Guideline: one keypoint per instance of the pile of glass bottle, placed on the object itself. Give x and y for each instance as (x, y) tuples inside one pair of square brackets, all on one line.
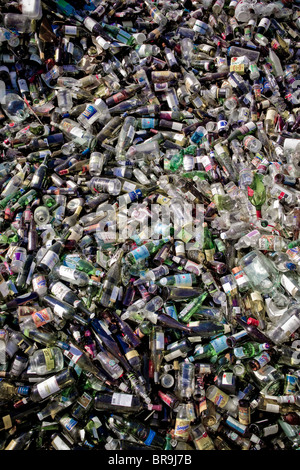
[(113, 115)]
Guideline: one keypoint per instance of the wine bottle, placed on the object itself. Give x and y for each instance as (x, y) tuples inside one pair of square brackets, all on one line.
[(64, 293), (52, 385)]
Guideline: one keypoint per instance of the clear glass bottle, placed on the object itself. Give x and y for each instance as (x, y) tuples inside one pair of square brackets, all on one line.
[(46, 361)]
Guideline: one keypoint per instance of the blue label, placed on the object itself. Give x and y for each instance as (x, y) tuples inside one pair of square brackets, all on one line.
[(23, 390), (150, 438), (89, 112), (235, 425), (219, 344), (71, 424), (148, 123), (140, 253)]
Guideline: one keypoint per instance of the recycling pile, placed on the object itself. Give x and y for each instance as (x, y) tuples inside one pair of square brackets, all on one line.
[(149, 225)]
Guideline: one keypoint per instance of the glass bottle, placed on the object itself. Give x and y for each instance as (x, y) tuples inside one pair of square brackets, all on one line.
[(46, 361), (52, 385), (182, 423)]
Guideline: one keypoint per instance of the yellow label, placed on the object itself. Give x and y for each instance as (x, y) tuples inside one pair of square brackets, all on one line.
[(49, 359), (11, 445), (239, 68), (7, 422), (204, 442), (131, 354), (209, 254), (182, 429)]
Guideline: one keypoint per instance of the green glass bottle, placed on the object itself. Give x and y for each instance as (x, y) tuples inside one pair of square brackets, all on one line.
[(211, 350), (143, 329), (87, 267), (191, 308), (209, 248), (257, 193), (168, 445), (118, 33)]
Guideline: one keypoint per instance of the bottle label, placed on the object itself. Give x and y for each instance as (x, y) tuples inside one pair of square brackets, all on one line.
[(227, 378), (147, 123), (70, 30), (77, 132), (150, 438), (59, 290), (89, 112), (272, 408), (130, 133), (193, 268), (165, 398), (48, 387), (204, 442), (183, 280), (266, 242), (219, 344), (84, 400), (291, 325), (67, 272), (121, 399), (140, 253), (289, 285), (68, 423), (256, 296), (73, 354), (132, 354), (89, 23), (182, 428), (206, 162), (50, 259), (291, 384), (244, 415), (269, 430), (59, 310), (220, 399), (19, 256), (239, 353), (233, 423), (263, 359), (49, 359), (209, 254), (160, 340), (128, 187), (240, 278), (41, 318), (227, 287)]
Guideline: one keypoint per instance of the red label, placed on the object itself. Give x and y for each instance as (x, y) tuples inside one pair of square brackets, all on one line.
[(250, 191)]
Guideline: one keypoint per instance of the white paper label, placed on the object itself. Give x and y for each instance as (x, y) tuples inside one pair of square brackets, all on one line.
[(67, 272), (70, 30), (121, 399), (59, 290), (50, 259), (59, 311), (48, 387), (291, 325), (272, 408)]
